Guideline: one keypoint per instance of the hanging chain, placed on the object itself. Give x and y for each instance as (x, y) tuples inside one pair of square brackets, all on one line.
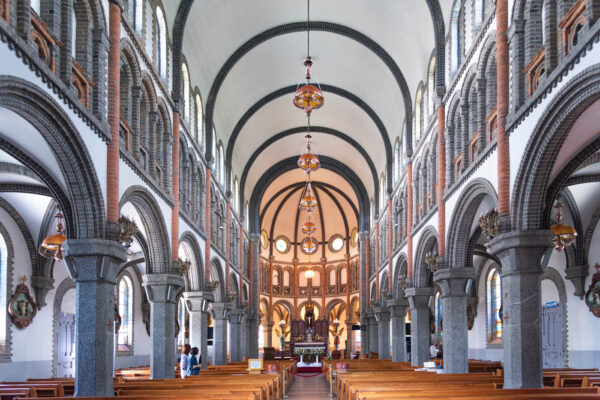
[(308, 28)]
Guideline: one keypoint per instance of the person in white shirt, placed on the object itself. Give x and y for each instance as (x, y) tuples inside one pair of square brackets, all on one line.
[(433, 351), (185, 359)]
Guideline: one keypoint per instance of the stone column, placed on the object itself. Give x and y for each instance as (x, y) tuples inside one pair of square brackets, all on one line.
[(197, 306), (267, 333), (398, 313), (244, 336), (161, 290), (373, 334), (95, 311), (418, 299), (220, 313), (453, 283), (382, 315), (252, 334), (520, 254), (235, 337), (363, 239), (350, 338)]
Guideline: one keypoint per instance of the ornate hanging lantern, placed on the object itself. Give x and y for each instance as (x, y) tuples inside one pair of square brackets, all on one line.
[(309, 245), (308, 97), (309, 228), (52, 245), (308, 202), (308, 161), (564, 235)]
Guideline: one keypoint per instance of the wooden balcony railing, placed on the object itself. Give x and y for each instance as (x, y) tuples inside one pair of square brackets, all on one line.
[(492, 123), (45, 41), (82, 83)]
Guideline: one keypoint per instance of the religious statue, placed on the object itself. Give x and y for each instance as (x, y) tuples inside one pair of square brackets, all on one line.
[(309, 314)]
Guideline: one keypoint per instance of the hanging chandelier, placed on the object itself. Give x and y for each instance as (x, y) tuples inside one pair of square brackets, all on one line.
[(309, 245), (308, 97), (564, 235), (52, 245), (308, 201), (309, 227), (308, 161)]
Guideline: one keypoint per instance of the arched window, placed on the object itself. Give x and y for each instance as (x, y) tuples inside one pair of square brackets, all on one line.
[(137, 15), (455, 47), (186, 92), (397, 161), (479, 10), (418, 116), (35, 6), (3, 296), (431, 95), (438, 318), (236, 195), (73, 35), (246, 216), (181, 317), (199, 121), (494, 307), (381, 192), (125, 305), (161, 43), (214, 148), (221, 165)]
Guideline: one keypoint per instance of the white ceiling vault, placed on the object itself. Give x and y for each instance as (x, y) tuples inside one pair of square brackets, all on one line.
[(215, 30)]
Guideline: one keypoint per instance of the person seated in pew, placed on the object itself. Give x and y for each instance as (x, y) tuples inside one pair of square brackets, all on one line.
[(185, 359), (433, 351), (193, 366)]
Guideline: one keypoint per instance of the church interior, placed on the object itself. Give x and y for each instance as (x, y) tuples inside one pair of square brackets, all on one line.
[(303, 199)]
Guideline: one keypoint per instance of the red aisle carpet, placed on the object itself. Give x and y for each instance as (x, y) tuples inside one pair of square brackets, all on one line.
[(309, 370)]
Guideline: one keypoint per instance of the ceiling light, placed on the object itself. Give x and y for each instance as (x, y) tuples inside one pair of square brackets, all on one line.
[(308, 201), (564, 235), (52, 245)]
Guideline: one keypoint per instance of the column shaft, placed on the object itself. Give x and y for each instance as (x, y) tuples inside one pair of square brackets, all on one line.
[(383, 329), (398, 313), (419, 313)]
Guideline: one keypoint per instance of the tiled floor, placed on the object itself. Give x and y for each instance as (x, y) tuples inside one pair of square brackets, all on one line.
[(314, 388)]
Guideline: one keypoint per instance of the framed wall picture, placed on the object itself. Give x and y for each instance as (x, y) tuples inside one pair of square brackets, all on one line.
[(592, 296), (21, 306)]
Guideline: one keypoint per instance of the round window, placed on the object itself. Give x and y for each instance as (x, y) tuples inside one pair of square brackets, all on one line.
[(354, 237), (264, 239), (282, 244), (336, 243)]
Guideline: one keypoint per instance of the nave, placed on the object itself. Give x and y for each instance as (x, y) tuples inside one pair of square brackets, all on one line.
[(277, 187)]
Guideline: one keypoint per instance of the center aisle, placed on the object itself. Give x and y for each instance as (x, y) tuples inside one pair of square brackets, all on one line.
[(313, 388)]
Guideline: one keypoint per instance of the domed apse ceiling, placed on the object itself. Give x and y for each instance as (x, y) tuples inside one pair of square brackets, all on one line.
[(246, 60), (335, 216)]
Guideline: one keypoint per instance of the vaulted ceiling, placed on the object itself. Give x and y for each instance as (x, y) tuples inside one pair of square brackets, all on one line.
[(369, 57)]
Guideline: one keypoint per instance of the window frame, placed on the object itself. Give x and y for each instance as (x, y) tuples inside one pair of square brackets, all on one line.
[(127, 349)]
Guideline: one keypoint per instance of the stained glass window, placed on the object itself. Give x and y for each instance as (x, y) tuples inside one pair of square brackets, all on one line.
[(494, 306), (126, 313)]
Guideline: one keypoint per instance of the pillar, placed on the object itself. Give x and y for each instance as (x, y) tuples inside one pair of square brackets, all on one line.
[(382, 315), (254, 293), (350, 338), (197, 307), (161, 290), (363, 239), (453, 283), (373, 334), (520, 254), (235, 338), (220, 313), (244, 336), (398, 309), (95, 307), (252, 334), (418, 299), (267, 332)]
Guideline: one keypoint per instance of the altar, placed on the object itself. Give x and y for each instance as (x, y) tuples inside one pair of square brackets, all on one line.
[(308, 339)]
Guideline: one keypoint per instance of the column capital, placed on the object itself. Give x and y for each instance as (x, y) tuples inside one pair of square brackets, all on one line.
[(418, 297), (117, 3), (220, 310), (162, 288), (236, 315), (363, 235), (520, 251), (453, 281), (381, 313), (397, 307), (94, 259), (255, 237), (197, 301)]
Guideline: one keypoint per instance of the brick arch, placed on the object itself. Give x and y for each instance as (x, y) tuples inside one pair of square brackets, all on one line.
[(83, 202), (427, 242), (158, 260), (532, 197), (459, 233), (216, 275)]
